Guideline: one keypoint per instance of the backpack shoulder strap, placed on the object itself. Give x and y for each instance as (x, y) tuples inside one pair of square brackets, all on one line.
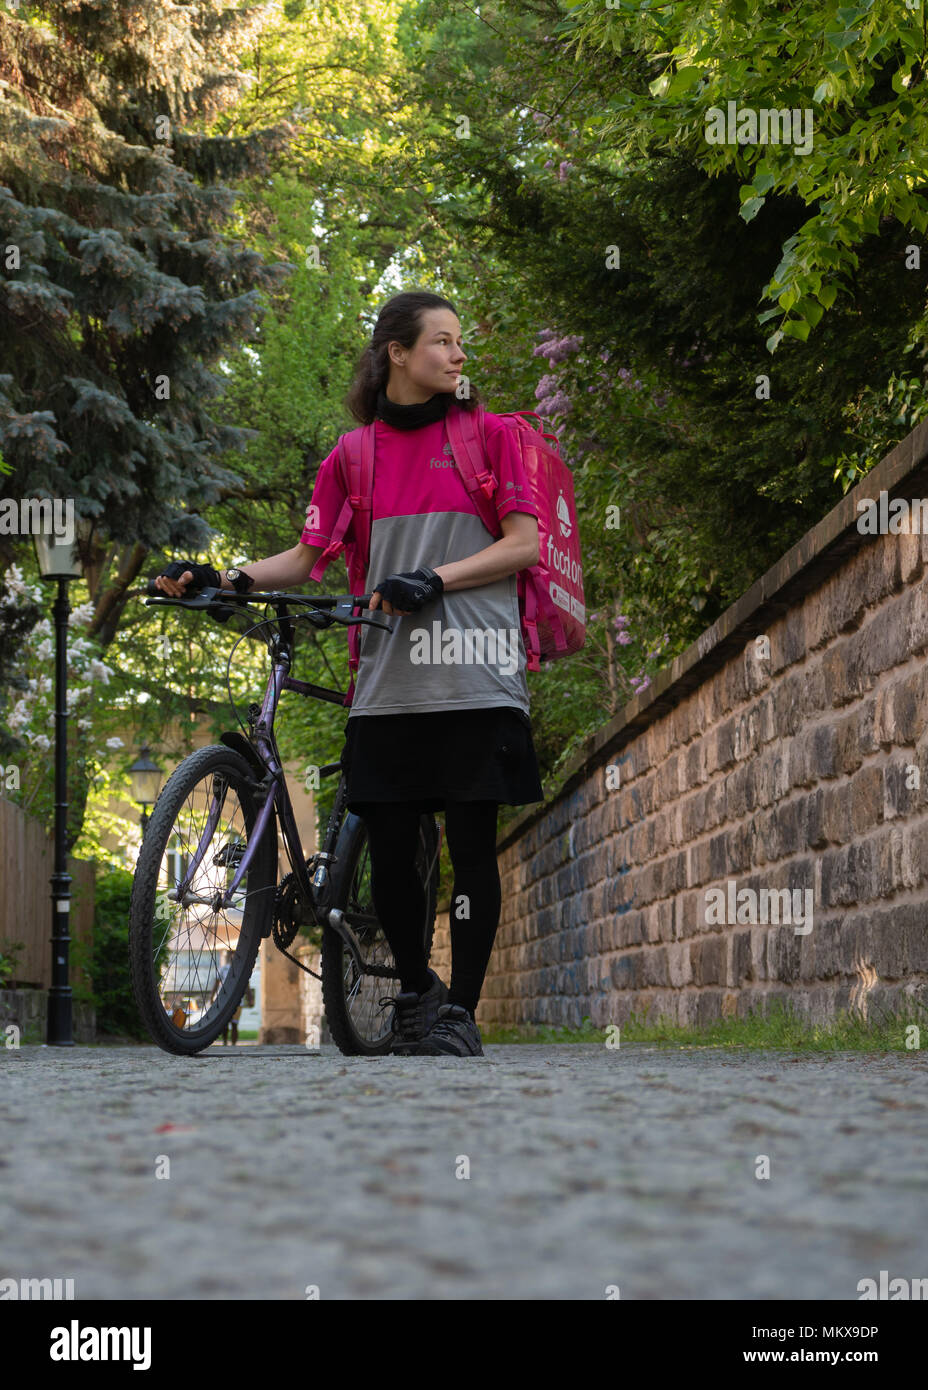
[(467, 437), (356, 457)]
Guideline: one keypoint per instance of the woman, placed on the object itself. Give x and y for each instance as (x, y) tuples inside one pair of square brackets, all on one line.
[(440, 713)]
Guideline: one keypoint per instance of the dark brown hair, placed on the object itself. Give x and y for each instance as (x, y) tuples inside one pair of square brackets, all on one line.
[(399, 321)]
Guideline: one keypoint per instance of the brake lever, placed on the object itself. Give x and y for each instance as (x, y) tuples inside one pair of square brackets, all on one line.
[(342, 612)]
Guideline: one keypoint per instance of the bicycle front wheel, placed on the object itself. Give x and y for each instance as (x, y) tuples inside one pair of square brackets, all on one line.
[(191, 957)]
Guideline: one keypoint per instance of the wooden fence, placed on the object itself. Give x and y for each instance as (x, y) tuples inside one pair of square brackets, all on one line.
[(27, 857)]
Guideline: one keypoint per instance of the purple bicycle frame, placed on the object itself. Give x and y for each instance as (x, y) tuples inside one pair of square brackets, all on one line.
[(278, 681)]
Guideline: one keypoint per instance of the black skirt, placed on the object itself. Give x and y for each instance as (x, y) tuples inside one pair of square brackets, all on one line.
[(455, 755)]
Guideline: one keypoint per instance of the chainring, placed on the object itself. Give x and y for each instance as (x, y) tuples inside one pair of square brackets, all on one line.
[(288, 911)]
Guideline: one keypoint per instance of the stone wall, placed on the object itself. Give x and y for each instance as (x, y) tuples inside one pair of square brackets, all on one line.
[(786, 749)]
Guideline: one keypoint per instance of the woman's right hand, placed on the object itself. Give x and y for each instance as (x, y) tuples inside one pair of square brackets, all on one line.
[(181, 574)]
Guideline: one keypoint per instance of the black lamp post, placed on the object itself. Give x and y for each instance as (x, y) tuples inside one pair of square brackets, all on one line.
[(59, 560), (146, 782)]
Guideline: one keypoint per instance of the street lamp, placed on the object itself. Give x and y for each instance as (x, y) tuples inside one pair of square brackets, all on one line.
[(146, 782), (60, 560)]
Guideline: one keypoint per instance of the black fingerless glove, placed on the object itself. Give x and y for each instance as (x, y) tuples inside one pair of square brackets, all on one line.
[(413, 590), (204, 576)]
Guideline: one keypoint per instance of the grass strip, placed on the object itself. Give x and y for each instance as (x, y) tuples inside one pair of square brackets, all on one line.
[(779, 1026)]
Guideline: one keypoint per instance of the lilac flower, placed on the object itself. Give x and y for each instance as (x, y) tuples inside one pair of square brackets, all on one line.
[(549, 164), (558, 404), (623, 638), (621, 620), (545, 335), (559, 351), (548, 386), (565, 166)]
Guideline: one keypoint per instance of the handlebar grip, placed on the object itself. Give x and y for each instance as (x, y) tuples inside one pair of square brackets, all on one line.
[(153, 591)]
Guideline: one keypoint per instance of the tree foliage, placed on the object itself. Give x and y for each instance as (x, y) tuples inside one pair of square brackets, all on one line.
[(119, 284)]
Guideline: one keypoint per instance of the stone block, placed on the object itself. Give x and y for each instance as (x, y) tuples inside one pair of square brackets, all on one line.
[(707, 958), (679, 967), (718, 856), (708, 1007), (812, 816), (866, 798), (885, 639), (849, 754), (627, 971), (788, 712), (741, 961), (655, 967), (697, 864), (823, 751), (837, 814)]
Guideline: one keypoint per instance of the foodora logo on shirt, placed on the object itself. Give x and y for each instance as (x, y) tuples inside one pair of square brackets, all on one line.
[(469, 646)]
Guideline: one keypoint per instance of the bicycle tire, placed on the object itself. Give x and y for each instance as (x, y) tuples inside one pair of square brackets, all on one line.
[(337, 961), (256, 917)]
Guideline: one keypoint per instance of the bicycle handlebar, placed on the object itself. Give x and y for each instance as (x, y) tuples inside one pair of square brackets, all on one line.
[(223, 603)]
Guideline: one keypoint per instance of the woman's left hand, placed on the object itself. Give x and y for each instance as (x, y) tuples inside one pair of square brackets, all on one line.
[(402, 594)]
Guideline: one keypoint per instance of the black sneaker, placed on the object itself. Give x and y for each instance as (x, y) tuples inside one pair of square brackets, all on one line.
[(414, 1014), (454, 1034)]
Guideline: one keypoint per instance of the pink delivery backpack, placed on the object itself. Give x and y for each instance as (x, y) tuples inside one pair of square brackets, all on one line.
[(551, 602)]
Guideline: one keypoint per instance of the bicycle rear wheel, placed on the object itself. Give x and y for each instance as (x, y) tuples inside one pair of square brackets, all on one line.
[(356, 1021), (190, 958)]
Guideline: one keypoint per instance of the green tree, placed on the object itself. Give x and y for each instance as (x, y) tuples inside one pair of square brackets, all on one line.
[(119, 283)]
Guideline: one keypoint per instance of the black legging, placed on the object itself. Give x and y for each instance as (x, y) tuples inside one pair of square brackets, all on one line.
[(399, 899)]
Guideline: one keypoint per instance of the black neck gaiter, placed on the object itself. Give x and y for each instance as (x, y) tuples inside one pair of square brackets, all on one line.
[(413, 417)]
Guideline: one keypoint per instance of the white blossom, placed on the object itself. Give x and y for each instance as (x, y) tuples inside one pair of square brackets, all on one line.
[(114, 743), (42, 742), (44, 650), (81, 614), (98, 670)]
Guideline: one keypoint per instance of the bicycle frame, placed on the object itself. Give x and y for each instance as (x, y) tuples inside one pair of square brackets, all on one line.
[(272, 790)]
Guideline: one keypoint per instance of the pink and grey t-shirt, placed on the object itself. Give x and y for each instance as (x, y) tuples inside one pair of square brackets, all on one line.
[(464, 650)]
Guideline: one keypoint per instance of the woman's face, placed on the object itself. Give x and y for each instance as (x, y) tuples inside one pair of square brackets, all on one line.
[(435, 360)]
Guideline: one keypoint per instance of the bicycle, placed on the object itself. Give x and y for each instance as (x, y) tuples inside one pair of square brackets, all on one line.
[(210, 850)]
